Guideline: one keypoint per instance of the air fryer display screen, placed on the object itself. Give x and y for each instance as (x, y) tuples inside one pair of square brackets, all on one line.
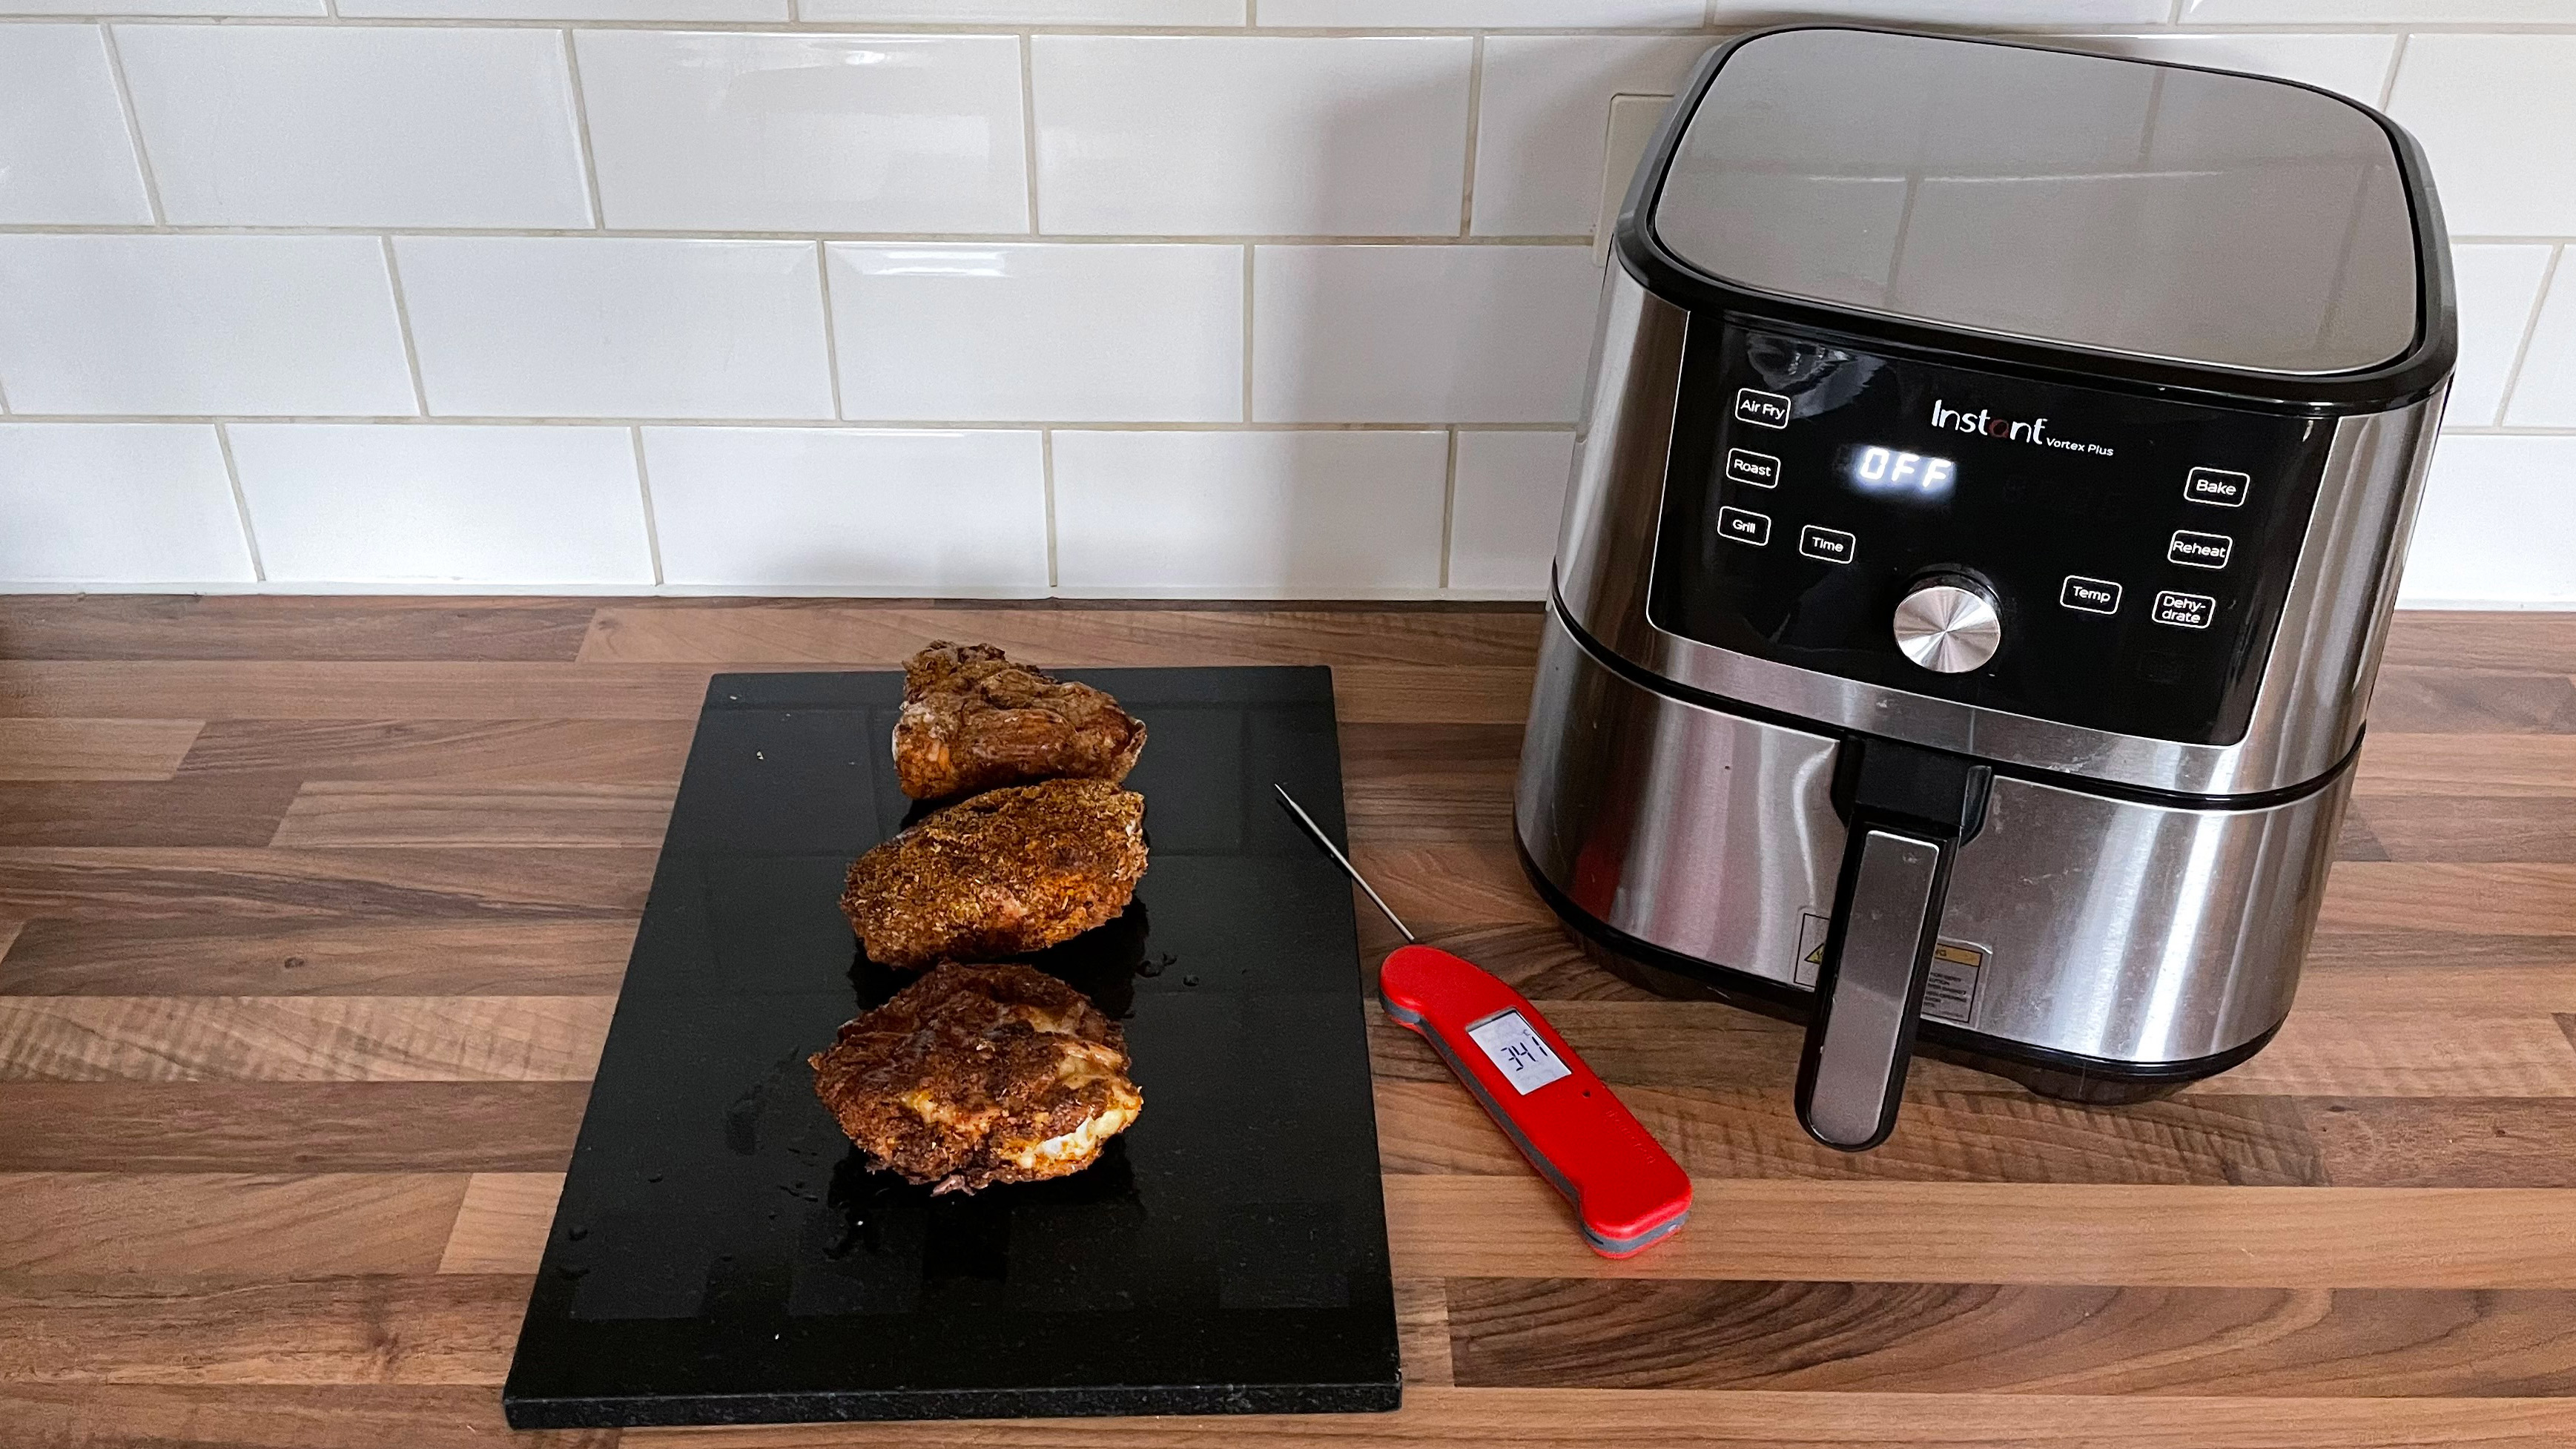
[(2137, 549)]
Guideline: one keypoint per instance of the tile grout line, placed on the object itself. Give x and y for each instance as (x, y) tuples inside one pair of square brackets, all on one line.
[(581, 134), (1247, 332), (133, 125), (1448, 506), (2530, 330), (2396, 63), (241, 503), (1475, 105), (896, 424), (1029, 126), (984, 238), (831, 331), (402, 323), (644, 490), (1046, 477), (1717, 28)]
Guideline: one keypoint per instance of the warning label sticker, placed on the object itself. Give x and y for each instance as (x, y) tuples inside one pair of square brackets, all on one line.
[(1949, 992)]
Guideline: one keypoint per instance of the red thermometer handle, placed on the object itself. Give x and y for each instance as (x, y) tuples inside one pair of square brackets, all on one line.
[(1627, 1191)]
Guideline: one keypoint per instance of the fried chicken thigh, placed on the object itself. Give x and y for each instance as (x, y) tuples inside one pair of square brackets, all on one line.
[(975, 1075), (1006, 873), (972, 720)]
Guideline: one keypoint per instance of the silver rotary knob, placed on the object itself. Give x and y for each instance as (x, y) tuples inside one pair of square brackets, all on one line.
[(1949, 625)]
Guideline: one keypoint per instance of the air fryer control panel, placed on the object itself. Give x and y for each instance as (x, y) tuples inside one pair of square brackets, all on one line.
[(2136, 551)]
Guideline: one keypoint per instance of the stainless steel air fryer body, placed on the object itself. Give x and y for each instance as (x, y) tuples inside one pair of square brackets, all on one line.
[(1987, 510)]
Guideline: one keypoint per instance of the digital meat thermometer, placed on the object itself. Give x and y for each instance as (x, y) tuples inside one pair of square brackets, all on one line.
[(1627, 1191)]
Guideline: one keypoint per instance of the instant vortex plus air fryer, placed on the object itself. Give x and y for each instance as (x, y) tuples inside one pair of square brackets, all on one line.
[(1994, 478)]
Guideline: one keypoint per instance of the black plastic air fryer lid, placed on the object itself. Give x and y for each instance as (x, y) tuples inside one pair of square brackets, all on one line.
[(2176, 226)]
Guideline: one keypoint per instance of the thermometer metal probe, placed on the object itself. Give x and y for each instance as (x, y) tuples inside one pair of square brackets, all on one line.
[(1628, 1193)]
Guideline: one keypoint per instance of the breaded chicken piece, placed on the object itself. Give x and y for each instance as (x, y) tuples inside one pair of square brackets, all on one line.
[(1005, 873), (975, 1075), (972, 720)]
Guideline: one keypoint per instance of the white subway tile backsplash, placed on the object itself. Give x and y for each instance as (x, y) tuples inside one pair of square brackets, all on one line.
[(117, 503), (2349, 65), (1543, 114), (925, 512), (1400, 334), (1039, 332), (194, 325), (622, 10), (164, 7), (806, 132), (272, 125), (1946, 14), (1261, 513), (441, 504), (1503, 516), (2499, 523), (64, 154), (2495, 113), (1033, 12), (618, 327), (2370, 12), (2499, 288), (2544, 396), (1216, 136), (1472, 14)]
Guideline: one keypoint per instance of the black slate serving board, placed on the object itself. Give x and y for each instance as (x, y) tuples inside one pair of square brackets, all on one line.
[(721, 1256)]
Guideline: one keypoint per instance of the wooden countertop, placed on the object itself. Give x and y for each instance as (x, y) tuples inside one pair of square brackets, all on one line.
[(314, 911)]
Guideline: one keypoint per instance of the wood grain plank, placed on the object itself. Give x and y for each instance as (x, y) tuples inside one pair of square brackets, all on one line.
[(1465, 694), (2443, 1142), (264, 1226), (2456, 765), (1986, 1232), (2012, 1338), (239, 811), (297, 689), (2493, 899), (1745, 1419), (501, 1226), (2357, 959), (396, 957), (1944, 1136), (2434, 699), (289, 1126), (141, 883), (268, 1416), (302, 1038), (2536, 642), (256, 626), (2462, 828), (94, 749), (819, 632), (490, 751), (454, 1328), (330, 814), (1422, 1331)]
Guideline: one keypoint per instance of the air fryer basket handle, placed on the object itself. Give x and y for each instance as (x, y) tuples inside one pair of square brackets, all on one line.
[(1869, 993)]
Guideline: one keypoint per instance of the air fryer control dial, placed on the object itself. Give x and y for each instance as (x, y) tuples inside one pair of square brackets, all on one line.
[(1949, 625)]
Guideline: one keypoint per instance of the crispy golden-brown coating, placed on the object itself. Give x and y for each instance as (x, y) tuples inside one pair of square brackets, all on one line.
[(972, 720), (975, 1075), (1004, 873)]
